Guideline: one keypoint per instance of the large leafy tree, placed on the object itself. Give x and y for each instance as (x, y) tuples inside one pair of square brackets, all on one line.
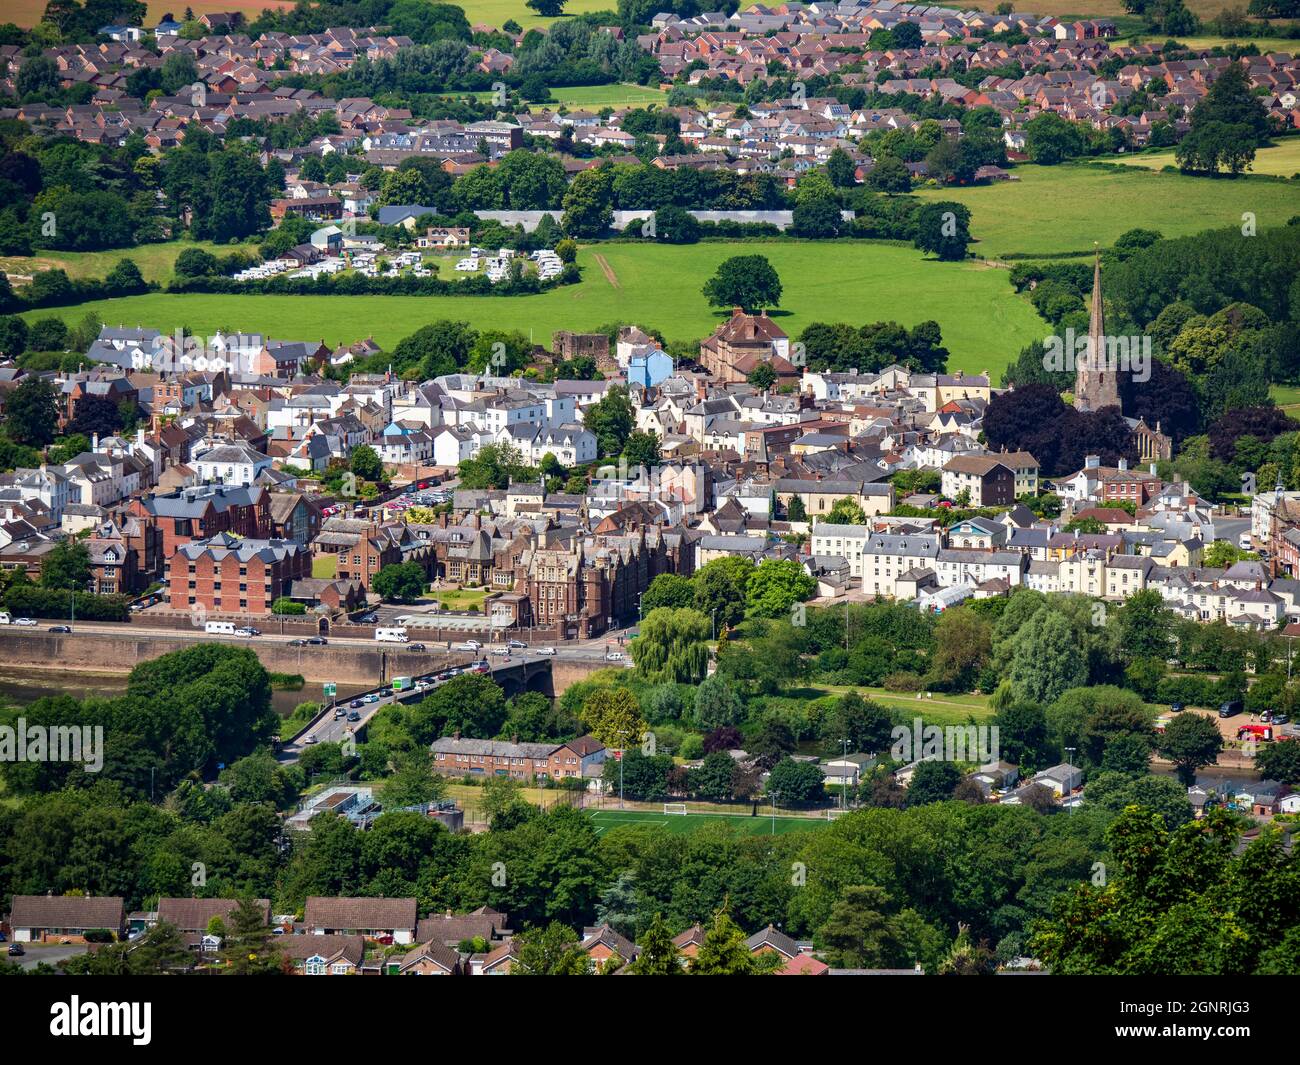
[(746, 281), (672, 646), (31, 413)]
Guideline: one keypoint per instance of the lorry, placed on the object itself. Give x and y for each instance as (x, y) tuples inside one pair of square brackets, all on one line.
[(402, 684), (391, 635)]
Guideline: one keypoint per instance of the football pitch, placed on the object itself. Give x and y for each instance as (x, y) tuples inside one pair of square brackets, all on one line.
[(681, 824)]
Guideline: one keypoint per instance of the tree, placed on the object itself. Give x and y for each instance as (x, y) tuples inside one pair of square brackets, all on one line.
[(1051, 139), (641, 449), (717, 704), (672, 646), (31, 412), (611, 420), (721, 587), (250, 948), (796, 783), (1279, 761), (724, 952), (745, 281), (943, 230), (670, 590), (841, 169), (413, 781), (366, 464), (400, 582), (1146, 626), (1190, 741), (613, 716), (762, 376), (66, 567), (547, 8), (859, 933), (550, 951), (1046, 660), (659, 954), (588, 203), (932, 781), (776, 585), (857, 723), (846, 511)]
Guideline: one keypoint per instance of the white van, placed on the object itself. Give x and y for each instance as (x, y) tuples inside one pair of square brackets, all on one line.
[(390, 635), (5, 619), (220, 628), (1243, 542)]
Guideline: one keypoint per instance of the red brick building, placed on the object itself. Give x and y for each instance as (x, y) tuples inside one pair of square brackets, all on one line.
[(204, 511), (228, 575)]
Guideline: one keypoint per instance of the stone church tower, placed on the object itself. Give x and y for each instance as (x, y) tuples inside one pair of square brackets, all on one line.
[(1096, 380)]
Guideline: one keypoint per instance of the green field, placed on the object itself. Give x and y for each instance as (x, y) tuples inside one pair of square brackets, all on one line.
[(938, 709), (984, 322), (1281, 160), (681, 824), (154, 260), (594, 97), (1053, 210)]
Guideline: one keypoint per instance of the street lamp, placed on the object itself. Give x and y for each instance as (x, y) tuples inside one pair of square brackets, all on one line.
[(775, 796)]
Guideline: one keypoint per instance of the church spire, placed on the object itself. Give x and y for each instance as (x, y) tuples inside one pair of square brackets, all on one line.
[(1095, 380)]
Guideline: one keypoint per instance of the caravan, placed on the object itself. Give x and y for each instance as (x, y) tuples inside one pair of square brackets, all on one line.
[(390, 635), (220, 628)]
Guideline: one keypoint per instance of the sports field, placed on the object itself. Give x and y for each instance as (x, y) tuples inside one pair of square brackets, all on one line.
[(984, 322), (1054, 210), (681, 824)]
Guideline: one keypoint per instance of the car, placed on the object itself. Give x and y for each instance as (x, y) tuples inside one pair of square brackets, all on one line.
[(1281, 719), (548, 651), (60, 628), (1175, 708), (354, 716), (297, 643), (248, 630), (16, 950), (311, 739), (371, 698), (25, 622), (356, 704), (1230, 709), (501, 652), (517, 644), (340, 711), (416, 647), (317, 641), (368, 619), (614, 656)]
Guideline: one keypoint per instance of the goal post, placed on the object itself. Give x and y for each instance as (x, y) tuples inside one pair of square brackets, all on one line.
[(835, 813), (675, 808)]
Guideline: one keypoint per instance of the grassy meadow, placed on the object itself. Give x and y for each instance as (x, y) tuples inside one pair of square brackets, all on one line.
[(1055, 210), (984, 322)]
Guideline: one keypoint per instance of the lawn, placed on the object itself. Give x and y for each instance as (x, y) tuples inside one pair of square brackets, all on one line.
[(28, 12), (1054, 210), (462, 599), (593, 97), (936, 709), (1281, 160), (324, 567), (1287, 397), (984, 322), (681, 824)]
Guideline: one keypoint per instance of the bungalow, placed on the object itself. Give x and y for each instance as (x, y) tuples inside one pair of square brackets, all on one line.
[(431, 959), (323, 955), (376, 918), (42, 918)]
